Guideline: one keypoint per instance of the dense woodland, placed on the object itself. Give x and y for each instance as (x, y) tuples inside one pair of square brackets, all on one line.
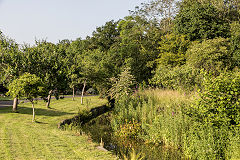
[(191, 46)]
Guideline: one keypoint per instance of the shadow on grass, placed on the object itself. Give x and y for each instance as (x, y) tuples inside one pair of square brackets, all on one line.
[(40, 122), (6, 109), (38, 111)]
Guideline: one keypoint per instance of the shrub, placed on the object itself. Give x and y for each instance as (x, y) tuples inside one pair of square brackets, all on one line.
[(219, 101)]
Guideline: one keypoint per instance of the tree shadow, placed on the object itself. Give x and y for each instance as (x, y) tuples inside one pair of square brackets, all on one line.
[(6, 109), (38, 111), (40, 122)]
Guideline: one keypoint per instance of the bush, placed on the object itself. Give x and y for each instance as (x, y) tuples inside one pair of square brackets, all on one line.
[(219, 101)]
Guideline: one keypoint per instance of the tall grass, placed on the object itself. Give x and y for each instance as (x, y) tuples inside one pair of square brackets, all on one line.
[(165, 118)]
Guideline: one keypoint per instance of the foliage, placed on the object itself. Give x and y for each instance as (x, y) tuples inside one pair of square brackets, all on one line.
[(129, 130), (27, 85), (184, 78), (172, 49), (122, 86), (200, 20), (158, 11), (235, 43), (219, 101), (138, 46), (133, 156), (11, 60), (104, 37), (49, 64), (212, 55)]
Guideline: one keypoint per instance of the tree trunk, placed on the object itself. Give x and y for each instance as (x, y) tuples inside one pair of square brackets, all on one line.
[(73, 93), (33, 119), (15, 104), (49, 99), (84, 85)]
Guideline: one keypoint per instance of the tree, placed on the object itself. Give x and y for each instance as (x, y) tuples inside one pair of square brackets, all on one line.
[(235, 43), (72, 64), (213, 55), (11, 63), (172, 50), (200, 21), (123, 85), (104, 37), (138, 46), (160, 11), (219, 101), (27, 85), (91, 65), (48, 60)]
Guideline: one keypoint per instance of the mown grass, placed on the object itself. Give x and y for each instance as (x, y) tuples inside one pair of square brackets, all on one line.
[(22, 139)]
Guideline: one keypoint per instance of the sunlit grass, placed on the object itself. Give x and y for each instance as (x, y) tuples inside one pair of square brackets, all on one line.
[(22, 139), (167, 96)]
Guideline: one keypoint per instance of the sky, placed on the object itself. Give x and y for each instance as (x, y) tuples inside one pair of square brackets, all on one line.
[(54, 20)]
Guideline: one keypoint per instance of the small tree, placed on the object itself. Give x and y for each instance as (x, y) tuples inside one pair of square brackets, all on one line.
[(29, 86), (122, 85)]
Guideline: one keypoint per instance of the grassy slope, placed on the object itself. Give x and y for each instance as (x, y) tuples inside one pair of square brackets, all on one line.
[(22, 139)]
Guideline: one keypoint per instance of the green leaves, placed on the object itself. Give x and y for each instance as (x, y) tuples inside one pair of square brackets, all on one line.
[(172, 50), (220, 99), (200, 20), (123, 85), (28, 85), (212, 55)]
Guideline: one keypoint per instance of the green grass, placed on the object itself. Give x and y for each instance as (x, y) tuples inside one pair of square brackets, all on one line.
[(22, 139)]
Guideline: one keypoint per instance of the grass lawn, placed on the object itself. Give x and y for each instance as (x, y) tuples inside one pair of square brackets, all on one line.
[(21, 139)]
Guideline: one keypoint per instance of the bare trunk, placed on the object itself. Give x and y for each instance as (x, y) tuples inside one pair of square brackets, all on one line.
[(49, 99), (73, 93), (15, 104), (33, 119), (84, 85)]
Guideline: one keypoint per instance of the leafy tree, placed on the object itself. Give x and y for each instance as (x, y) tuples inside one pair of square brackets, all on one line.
[(235, 43), (200, 20), (11, 60), (123, 85), (158, 11), (138, 46), (48, 62), (172, 50), (92, 65), (104, 37), (73, 62), (29, 86), (211, 55), (183, 77), (227, 9)]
